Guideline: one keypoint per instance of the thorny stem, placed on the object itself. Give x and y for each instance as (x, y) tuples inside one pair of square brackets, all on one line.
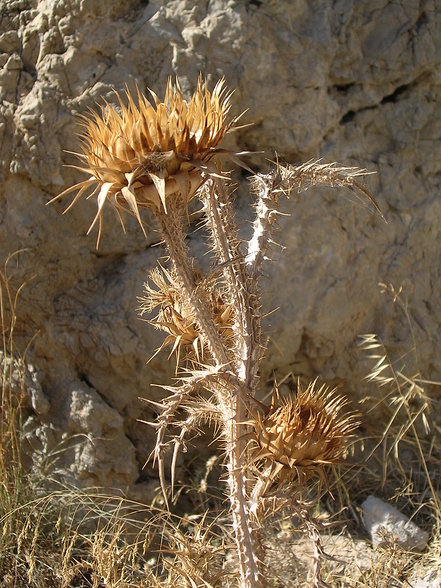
[(224, 234), (171, 226), (289, 178), (266, 211), (246, 540), (259, 489), (231, 404)]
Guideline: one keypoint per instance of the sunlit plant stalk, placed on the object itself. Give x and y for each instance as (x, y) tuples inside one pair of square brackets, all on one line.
[(159, 157)]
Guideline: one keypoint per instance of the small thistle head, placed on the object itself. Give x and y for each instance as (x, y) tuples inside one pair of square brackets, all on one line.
[(140, 155), (301, 434), (176, 318)]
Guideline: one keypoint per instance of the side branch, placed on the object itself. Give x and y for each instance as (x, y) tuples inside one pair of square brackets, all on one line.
[(167, 410), (286, 179)]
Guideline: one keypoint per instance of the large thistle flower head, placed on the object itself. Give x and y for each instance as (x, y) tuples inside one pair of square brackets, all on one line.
[(302, 433), (139, 154)]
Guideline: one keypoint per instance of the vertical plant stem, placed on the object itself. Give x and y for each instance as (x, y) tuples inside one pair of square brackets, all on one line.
[(224, 235), (248, 549), (226, 246), (171, 226), (230, 402)]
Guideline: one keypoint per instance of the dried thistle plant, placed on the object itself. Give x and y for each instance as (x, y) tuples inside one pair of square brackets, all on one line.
[(175, 317), (159, 157), (138, 156), (299, 435)]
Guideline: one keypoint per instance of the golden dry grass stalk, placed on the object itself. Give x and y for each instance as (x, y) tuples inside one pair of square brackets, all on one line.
[(140, 155)]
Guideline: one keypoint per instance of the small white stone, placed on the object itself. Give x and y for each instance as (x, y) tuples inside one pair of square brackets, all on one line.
[(380, 517), (431, 579)]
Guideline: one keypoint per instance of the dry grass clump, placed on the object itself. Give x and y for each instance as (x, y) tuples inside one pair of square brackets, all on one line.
[(71, 538), (397, 458)]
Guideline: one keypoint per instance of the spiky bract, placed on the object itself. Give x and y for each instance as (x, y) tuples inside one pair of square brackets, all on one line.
[(139, 155), (175, 316), (304, 432)]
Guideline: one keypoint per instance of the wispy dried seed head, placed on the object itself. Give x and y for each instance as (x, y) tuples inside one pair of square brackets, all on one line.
[(139, 155), (175, 317), (306, 431)]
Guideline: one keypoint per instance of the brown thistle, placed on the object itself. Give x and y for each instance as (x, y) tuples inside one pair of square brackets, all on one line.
[(175, 316), (301, 434), (158, 156), (138, 156)]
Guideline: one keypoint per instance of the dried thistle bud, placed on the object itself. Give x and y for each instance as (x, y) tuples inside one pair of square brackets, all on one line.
[(175, 316), (302, 433), (138, 156)]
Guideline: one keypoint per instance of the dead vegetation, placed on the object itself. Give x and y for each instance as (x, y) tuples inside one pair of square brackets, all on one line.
[(66, 537), (54, 535)]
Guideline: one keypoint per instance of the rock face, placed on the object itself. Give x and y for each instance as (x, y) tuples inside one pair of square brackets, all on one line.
[(355, 82)]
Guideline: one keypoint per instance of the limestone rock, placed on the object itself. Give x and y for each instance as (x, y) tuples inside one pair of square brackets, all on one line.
[(21, 379), (355, 82), (103, 455), (427, 579), (385, 523)]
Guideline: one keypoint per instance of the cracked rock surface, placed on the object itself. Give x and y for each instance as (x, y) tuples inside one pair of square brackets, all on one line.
[(354, 82)]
